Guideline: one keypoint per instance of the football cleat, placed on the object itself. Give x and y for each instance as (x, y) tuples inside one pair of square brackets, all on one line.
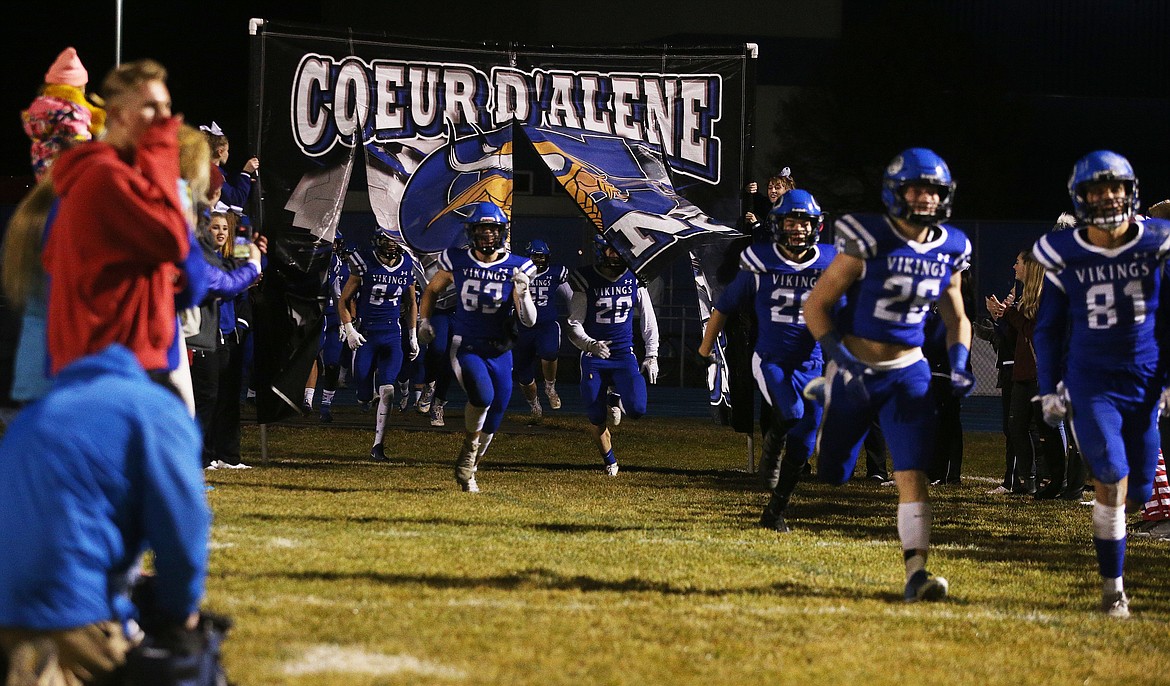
[(614, 417), (554, 400), (306, 407), (437, 413), (470, 487), (424, 401), (774, 521), (1115, 604), (366, 405), (925, 586), (326, 414), (611, 469), (403, 396), (378, 454), (536, 412)]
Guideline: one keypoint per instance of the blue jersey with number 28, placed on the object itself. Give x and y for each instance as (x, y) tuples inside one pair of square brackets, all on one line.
[(901, 278)]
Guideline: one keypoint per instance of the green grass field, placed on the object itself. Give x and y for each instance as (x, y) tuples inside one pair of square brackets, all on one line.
[(338, 570)]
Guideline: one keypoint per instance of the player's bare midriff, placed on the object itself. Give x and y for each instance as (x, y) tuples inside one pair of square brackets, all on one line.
[(872, 352)]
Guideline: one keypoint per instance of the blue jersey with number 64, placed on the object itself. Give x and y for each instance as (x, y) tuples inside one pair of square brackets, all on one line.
[(380, 294)]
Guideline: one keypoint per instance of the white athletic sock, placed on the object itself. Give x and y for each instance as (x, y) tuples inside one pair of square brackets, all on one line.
[(484, 441), (385, 400), (914, 532)]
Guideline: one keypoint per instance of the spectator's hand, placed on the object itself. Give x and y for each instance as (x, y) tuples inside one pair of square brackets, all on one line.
[(751, 218), (962, 383), (1164, 403), (752, 187), (261, 242), (650, 366), (995, 308), (426, 332), (598, 349), (252, 166), (352, 338)]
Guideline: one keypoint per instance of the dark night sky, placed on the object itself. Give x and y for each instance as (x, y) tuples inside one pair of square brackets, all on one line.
[(1010, 91)]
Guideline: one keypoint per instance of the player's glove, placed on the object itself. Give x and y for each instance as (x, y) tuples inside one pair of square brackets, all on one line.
[(411, 344), (650, 366), (962, 380), (852, 369), (598, 349), (520, 282), (426, 332), (352, 337), (1054, 405)]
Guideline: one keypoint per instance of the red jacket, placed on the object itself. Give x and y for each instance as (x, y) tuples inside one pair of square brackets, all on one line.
[(1025, 367), (112, 249)]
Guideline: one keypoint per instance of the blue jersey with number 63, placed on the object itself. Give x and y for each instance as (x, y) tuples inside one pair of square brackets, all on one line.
[(380, 294), (610, 304), (901, 277), (484, 292)]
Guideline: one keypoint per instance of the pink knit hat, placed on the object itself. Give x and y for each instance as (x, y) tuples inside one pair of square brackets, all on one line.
[(67, 70)]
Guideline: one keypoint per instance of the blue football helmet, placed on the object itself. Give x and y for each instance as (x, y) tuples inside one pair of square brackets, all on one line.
[(385, 247), (538, 252), (796, 204), (601, 250), (479, 216), (1103, 166), (917, 166)]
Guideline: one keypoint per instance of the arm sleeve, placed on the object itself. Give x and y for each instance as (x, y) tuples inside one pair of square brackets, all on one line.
[(175, 516), (1048, 338), (196, 272), (577, 308), (741, 289), (229, 284), (649, 322)]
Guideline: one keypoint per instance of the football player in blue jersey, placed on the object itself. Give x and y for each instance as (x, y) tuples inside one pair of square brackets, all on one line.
[(492, 285), (383, 285), (331, 336), (542, 341), (1096, 352), (606, 296), (775, 278), (891, 269)]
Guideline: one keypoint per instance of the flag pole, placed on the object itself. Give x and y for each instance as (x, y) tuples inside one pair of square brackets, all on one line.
[(117, 33)]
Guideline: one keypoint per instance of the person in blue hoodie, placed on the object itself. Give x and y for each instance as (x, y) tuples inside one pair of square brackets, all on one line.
[(81, 512)]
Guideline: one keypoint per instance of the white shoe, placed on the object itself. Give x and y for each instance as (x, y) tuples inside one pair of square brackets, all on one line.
[(437, 413), (999, 490), (1115, 605), (611, 469), (229, 465), (615, 416), (471, 486), (426, 398), (554, 400), (403, 390)]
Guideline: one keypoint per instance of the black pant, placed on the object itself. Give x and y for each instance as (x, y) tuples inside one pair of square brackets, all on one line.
[(1045, 459), (217, 378), (947, 464)]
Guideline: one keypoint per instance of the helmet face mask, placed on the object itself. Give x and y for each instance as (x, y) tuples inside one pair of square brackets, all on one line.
[(386, 248), (486, 226), (607, 256), (1104, 190), (921, 174), (538, 252), (796, 223)]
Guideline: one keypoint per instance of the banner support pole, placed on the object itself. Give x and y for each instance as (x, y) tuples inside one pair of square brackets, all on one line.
[(264, 443)]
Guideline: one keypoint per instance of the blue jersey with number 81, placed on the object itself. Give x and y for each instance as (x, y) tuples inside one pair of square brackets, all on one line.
[(900, 280), (1111, 296)]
